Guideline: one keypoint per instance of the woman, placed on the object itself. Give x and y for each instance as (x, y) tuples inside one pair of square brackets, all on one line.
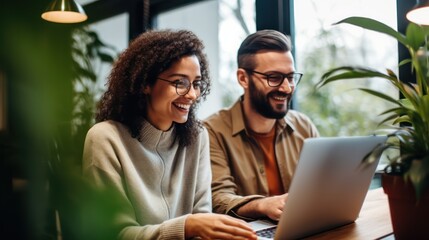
[(149, 147)]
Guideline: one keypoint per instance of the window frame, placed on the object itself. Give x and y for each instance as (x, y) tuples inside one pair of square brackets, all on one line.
[(283, 21)]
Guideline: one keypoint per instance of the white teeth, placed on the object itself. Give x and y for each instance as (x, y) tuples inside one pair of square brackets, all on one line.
[(280, 98), (184, 106)]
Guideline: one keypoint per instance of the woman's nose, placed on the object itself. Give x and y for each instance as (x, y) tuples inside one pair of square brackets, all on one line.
[(192, 93)]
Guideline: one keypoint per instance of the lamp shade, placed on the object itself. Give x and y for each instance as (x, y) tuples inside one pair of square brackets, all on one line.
[(420, 13), (64, 11)]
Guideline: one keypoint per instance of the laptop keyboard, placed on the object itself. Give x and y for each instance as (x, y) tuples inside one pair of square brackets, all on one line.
[(267, 233)]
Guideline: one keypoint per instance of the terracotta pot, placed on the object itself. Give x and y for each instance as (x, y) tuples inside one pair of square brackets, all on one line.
[(410, 218)]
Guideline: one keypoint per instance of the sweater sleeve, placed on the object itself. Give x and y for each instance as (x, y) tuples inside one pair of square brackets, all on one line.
[(102, 168), (169, 229)]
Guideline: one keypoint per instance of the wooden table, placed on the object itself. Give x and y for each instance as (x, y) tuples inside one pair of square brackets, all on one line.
[(373, 221)]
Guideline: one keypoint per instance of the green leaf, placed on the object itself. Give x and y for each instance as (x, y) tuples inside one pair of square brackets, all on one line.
[(374, 154), (406, 103), (388, 118), (402, 119), (105, 57), (382, 96), (349, 72), (415, 36), (377, 26), (404, 62), (425, 108)]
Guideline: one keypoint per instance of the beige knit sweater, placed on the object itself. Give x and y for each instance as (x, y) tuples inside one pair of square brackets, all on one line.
[(159, 184)]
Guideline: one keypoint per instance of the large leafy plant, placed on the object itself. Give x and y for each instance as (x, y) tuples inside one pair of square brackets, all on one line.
[(67, 186), (408, 119)]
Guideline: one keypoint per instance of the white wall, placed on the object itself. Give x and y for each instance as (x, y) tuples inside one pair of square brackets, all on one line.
[(203, 19)]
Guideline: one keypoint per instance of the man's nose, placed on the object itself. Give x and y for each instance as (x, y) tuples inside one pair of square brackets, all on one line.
[(286, 86)]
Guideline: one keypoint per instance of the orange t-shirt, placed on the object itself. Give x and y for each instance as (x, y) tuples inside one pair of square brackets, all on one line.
[(266, 143)]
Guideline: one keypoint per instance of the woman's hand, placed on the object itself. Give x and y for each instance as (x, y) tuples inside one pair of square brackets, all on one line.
[(217, 226)]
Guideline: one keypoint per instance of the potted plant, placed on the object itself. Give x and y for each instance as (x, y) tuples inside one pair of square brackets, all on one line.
[(407, 174)]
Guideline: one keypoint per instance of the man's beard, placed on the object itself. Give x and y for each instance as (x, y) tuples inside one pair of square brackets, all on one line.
[(261, 104)]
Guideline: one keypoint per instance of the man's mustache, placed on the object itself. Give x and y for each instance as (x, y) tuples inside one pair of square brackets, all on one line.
[(279, 94)]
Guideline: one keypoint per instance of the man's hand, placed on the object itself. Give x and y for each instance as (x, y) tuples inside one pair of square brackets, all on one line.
[(271, 207), (217, 226)]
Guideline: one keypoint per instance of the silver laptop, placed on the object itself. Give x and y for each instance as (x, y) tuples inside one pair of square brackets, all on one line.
[(328, 188)]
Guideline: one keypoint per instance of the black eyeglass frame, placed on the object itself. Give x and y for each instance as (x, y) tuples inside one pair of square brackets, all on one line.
[(188, 88), (284, 75)]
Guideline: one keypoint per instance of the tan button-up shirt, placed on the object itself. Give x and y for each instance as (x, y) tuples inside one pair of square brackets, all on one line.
[(237, 161)]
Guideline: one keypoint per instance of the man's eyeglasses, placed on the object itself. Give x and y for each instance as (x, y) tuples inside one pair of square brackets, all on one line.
[(276, 79), (183, 86)]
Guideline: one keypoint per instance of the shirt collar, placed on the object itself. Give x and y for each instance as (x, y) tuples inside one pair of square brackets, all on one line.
[(239, 125)]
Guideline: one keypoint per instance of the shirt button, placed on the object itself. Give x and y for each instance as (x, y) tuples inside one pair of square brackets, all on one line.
[(261, 170)]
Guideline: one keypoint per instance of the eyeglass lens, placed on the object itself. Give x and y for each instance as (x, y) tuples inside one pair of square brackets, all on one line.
[(184, 85), (275, 80)]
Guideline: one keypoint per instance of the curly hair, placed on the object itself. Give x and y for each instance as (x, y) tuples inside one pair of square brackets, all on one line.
[(138, 66)]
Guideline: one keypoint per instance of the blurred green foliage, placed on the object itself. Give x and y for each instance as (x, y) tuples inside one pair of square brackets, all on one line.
[(49, 107), (339, 110)]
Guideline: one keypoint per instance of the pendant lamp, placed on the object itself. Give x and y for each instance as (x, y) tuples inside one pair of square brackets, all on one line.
[(64, 11), (420, 13)]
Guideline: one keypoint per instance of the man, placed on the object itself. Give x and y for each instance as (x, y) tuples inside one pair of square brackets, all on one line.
[(255, 144)]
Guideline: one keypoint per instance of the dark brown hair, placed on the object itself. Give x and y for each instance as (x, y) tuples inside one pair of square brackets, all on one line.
[(263, 40), (138, 66)]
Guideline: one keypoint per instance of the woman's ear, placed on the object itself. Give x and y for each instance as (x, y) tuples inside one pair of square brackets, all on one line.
[(243, 78)]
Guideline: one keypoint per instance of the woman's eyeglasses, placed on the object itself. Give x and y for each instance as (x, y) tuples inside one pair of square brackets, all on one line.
[(183, 86)]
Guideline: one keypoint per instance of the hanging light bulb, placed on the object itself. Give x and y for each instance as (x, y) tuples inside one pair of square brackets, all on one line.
[(420, 13), (64, 11)]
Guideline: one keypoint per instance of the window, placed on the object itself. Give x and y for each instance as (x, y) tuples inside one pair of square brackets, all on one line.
[(88, 90), (319, 46), (118, 39), (339, 109), (222, 29)]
